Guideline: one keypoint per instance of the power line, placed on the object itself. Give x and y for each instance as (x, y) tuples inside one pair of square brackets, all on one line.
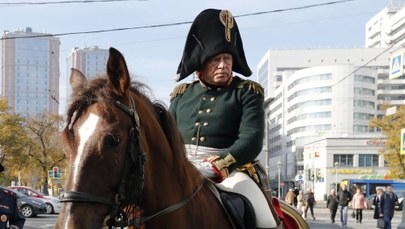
[(173, 24), (5, 4)]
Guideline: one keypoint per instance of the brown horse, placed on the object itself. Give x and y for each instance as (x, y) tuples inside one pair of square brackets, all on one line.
[(127, 161)]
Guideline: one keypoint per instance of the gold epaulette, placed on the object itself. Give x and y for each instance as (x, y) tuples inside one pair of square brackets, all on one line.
[(179, 90), (251, 85)]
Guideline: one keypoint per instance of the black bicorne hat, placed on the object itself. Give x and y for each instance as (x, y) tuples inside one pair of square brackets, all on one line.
[(212, 32)]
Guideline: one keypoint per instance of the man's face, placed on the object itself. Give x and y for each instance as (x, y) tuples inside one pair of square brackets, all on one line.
[(343, 187), (218, 70), (389, 189)]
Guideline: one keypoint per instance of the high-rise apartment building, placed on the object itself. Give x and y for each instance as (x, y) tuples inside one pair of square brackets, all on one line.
[(387, 27), (91, 61), (30, 71), (318, 94)]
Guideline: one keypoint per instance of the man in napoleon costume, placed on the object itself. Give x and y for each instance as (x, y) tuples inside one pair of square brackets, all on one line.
[(220, 115)]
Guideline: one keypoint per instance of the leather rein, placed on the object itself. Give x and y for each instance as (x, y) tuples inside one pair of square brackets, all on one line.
[(132, 168)]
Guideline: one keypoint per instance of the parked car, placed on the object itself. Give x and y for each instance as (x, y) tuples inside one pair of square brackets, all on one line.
[(29, 206), (400, 200), (370, 200), (53, 204)]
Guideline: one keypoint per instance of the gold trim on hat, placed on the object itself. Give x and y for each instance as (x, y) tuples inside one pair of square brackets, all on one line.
[(227, 20)]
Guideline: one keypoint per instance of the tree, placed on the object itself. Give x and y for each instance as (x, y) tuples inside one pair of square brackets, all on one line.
[(45, 149), (390, 126), (13, 141)]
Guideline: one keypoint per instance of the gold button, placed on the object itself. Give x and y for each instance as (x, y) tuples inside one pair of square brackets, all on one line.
[(208, 111), (200, 111), (212, 98), (197, 124), (202, 139), (205, 124), (193, 139)]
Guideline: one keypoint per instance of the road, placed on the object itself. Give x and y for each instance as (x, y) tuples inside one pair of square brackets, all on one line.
[(321, 213), (44, 221), (323, 219)]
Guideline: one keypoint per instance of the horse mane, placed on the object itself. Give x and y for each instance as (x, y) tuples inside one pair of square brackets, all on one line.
[(98, 89)]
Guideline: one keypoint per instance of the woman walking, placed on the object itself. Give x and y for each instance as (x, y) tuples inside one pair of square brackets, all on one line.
[(376, 203), (332, 204), (359, 203)]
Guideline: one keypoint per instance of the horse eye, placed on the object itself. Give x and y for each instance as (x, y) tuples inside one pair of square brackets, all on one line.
[(111, 141)]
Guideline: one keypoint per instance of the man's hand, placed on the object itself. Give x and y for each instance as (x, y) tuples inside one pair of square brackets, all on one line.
[(207, 170), (220, 166)]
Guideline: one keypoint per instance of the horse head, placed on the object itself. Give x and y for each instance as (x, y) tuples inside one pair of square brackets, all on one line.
[(127, 163)]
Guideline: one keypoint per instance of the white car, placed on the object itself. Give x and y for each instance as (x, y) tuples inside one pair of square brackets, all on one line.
[(53, 204)]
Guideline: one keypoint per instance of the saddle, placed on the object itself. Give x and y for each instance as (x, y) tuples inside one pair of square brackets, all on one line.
[(238, 208)]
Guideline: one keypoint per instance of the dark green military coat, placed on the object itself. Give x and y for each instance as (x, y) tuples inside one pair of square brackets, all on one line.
[(230, 117)]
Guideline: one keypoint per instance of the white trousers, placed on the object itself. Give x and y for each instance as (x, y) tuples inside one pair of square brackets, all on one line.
[(238, 182)]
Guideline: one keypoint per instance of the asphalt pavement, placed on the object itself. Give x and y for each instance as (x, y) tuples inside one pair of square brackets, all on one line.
[(323, 221)]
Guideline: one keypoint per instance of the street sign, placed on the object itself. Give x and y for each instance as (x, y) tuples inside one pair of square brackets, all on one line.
[(282, 184), (396, 65)]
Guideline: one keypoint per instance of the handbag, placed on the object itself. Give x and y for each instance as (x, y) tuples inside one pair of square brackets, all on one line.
[(380, 223)]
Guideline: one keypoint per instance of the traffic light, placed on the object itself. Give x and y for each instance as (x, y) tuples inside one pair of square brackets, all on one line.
[(55, 172)]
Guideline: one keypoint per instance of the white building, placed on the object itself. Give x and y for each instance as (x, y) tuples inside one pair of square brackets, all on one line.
[(387, 27), (335, 159), (30, 71), (321, 93)]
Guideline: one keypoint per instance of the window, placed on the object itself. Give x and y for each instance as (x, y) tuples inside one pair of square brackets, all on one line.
[(368, 160), (343, 159)]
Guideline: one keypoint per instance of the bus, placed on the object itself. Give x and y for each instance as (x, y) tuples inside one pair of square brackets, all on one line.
[(369, 186)]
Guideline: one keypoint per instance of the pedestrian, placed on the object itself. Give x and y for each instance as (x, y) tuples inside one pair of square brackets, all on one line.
[(386, 208), (10, 216), (332, 204), (220, 115), (376, 203), (358, 204), (300, 199), (296, 192), (310, 203), (344, 197), (304, 203), (289, 198)]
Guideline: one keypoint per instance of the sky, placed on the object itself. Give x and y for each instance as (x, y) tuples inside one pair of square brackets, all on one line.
[(153, 54)]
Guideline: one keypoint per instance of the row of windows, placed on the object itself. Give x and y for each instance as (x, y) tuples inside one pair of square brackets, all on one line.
[(363, 129), (363, 103), (363, 91), (362, 116), (310, 79), (326, 114), (309, 128), (313, 103), (346, 160), (318, 90), (362, 78)]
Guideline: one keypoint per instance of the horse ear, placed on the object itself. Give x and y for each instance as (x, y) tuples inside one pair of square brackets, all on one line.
[(77, 78), (117, 71)]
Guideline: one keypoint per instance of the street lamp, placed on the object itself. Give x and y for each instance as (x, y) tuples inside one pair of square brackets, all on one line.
[(279, 169), (336, 180)]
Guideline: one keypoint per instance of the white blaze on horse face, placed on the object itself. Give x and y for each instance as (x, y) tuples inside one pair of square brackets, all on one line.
[(85, 132)]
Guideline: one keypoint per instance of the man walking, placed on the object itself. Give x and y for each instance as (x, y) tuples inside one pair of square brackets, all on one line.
[(386, 208), (343, 197)]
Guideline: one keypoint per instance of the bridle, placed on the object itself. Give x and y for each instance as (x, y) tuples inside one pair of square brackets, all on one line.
[(133, 172)]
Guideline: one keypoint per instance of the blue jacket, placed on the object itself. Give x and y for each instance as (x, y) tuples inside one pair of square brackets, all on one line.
[(387, 204), (10, 216)]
